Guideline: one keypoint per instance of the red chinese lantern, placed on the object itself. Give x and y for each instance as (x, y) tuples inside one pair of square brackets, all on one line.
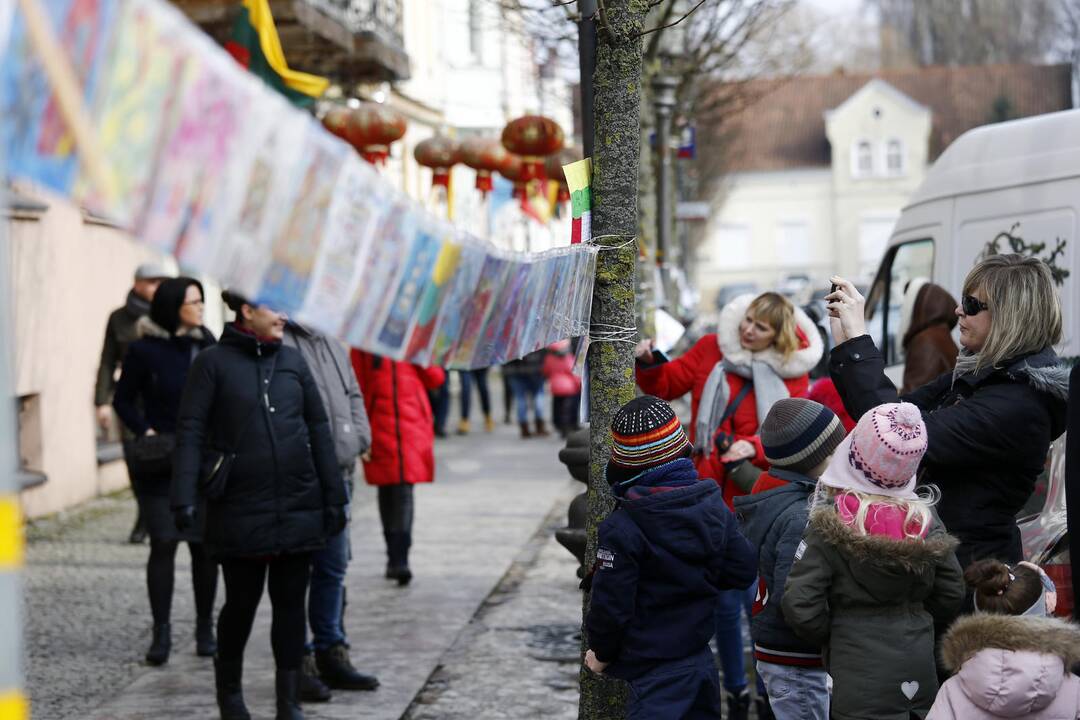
[(513, 169), (554, 168), (440, 154), (533, 138), (371, 129), (336, 121), (485, 156)]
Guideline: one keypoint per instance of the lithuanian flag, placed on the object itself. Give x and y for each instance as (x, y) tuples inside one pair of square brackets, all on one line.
[(256, 46)]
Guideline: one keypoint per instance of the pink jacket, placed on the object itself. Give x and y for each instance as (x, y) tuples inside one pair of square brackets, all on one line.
[(1009, 667), (559, 370)]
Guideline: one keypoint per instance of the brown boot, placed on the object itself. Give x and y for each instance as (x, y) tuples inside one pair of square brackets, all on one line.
[(525, 431), (541, 428)]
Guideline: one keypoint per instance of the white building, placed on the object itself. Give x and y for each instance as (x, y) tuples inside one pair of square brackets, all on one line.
[(817, 169)]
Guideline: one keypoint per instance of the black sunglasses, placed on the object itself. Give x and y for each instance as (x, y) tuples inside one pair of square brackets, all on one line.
[(971, 305)]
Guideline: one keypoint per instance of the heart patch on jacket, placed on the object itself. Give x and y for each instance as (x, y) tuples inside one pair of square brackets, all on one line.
[(910, 689)]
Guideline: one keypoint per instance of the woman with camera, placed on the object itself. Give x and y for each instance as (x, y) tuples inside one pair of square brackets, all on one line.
[(147, 399), (991, 420)]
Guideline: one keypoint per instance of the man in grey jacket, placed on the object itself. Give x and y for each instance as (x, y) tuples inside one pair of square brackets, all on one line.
[(119, 333), (330, 665)]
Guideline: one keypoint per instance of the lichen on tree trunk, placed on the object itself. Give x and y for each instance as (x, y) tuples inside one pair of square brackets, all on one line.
[(617, 86)]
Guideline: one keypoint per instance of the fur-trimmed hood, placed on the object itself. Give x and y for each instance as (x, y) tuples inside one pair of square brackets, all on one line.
[(1046, 635), (904, 556), (1011, 667), (801, 362), (147, 328)]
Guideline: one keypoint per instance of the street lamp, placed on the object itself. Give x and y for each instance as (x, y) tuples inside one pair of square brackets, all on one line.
[(663, 91)]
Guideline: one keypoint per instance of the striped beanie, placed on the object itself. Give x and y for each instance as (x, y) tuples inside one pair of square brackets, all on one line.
[(798, 434), (645, 433)]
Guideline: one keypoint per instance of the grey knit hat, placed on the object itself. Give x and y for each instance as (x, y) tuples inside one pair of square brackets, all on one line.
[(798, 434)]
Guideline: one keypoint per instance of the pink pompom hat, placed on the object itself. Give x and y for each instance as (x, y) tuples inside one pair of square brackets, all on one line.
[(882, 454)]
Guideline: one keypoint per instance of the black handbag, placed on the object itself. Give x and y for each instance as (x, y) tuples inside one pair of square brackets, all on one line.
[(151, 456), (216, 480)]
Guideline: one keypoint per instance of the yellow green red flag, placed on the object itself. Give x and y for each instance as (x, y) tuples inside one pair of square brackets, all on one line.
[(256, 46)]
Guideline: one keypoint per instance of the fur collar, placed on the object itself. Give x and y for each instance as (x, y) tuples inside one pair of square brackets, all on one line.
[(800, 363), (910, 555), (970, 634), (147, 328), (1050, 379)]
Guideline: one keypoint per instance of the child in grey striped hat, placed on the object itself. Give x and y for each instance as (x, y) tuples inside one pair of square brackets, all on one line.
[(798, 436)]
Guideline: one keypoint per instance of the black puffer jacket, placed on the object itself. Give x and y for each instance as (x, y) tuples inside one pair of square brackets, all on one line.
[(988, 437), (259, 399)]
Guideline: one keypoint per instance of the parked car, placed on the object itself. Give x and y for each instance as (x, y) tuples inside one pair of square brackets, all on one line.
[(727, 293)]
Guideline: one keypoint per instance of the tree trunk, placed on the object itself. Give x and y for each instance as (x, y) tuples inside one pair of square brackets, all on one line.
[(617, 83)]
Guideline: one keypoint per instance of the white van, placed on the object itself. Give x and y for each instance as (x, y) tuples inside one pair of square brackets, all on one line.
[(1021, 177)]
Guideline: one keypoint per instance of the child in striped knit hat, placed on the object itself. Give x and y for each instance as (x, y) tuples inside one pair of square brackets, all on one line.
[(664, 554)]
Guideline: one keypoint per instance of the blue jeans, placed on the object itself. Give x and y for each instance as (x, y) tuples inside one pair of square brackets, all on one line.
[(729, 636), (796, 693), (326, 593), (685, 688), (528, 387), (467, 377)]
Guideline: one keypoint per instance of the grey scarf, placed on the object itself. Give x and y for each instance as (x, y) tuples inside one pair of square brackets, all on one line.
[(768, 388)]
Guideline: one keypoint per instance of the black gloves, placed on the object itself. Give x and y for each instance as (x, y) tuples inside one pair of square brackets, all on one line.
[(184, 517), (723, 441), (334, 519)]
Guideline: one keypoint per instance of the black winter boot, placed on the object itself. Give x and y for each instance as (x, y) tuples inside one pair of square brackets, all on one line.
[(312, 688), (764, 709), (205, 644), (287, 684), (161, 645), (228, 677), (338, 672), (738, 706), (138, 531), (398, 552)]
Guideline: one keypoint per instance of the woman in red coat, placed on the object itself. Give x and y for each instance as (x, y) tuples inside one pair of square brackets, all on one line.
[(402, 445), (762, 352)]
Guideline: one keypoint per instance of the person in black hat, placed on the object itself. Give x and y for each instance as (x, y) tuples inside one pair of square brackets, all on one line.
[(274, 498), (148, 402), (664, 555)]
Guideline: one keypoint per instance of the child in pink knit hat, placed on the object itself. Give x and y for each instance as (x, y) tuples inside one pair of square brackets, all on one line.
[(876, 571)]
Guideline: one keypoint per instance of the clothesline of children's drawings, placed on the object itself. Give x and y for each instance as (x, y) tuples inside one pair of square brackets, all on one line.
[(202, 160)]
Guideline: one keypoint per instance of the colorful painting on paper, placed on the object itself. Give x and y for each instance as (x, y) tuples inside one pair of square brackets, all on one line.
[(492, 279), (397, 227), (415, 278), (188, 189), (358, 203), (134, 104), (37, 144), (494, 334), (419, 350), (296, 245), (452, 314)]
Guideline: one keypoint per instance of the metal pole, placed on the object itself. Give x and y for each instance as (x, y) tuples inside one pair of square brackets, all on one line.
[(587, 65), (664, 99)]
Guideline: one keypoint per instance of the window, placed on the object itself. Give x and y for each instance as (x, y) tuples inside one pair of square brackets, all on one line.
[(894, 157), (475, 32), (733, 249), (874, 232), (902, 265), (793, 244), (862, 159)]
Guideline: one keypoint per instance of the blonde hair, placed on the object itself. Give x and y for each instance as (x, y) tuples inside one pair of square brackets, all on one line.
[(1024, 306), (779, 313), (917, 512)]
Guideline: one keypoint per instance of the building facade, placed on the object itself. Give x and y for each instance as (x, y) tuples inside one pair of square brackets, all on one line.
[(816, 170)]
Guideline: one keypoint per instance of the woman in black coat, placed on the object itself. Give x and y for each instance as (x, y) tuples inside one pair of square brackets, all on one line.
[(990, 422), (275, 497), (147, 399)]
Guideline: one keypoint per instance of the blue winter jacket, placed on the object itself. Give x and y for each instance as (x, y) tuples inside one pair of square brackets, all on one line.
[(774, 522), (663, 555)]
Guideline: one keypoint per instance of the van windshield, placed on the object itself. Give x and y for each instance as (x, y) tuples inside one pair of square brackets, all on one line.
[(885, 322)]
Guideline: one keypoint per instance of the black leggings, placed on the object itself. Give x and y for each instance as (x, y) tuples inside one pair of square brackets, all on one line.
[(396, 508), (160, 572), (288, 583)]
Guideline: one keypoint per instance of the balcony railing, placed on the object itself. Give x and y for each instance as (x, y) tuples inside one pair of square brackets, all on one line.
[(371, 31)]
